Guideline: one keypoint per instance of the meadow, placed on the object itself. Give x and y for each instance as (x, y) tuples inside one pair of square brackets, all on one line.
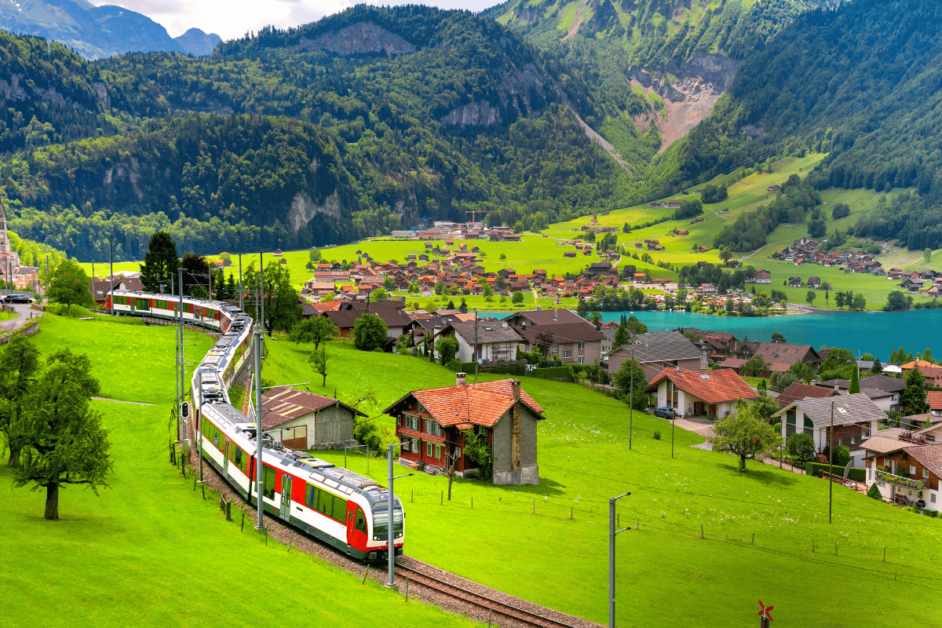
[(149, 551), (759, 528)]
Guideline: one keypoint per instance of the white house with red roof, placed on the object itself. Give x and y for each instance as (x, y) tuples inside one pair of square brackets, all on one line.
[(700, 393), (435, 423)]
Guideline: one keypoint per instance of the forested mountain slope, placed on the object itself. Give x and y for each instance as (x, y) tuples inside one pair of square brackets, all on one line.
[(863, 83), (410, 113)]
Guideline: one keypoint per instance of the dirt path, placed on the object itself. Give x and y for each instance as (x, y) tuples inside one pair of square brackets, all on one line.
[(130, 403), (576, 22)]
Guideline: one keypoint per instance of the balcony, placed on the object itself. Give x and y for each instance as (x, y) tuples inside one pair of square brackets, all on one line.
[(904, 482)]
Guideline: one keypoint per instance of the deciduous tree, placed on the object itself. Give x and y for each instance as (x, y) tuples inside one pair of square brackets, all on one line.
[(319, 363), (316, 329), (747, 434), (631, 377), (19, 364), (70, 285), (369, 332)]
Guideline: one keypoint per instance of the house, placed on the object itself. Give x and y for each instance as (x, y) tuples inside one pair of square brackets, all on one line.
[(932, 372), (397, 321), (779, 352), (706, 290), (798, 391), (763, 276), (574, 343), (302, 420), (855, 419), (657, 351), (435, 422), (934, 399), (319, 288), (794, 282), (100, 288), (882, 390), (484, 341), (773, 188), (700, 393), (814, 282), (906, 467), (545, 317)]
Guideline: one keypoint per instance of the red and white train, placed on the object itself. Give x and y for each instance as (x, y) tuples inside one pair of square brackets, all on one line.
[(337, 506)]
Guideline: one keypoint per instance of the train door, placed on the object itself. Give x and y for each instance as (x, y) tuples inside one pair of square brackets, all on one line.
[(225, 458), (285, 511), (356, 526)]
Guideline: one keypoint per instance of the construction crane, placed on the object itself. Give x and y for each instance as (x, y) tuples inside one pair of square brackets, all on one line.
[(480, 211)]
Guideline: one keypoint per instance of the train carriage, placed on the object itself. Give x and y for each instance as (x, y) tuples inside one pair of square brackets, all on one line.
[(337, 506)]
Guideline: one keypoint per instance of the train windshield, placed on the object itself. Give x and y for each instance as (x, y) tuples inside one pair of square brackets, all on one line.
[(381, 519)]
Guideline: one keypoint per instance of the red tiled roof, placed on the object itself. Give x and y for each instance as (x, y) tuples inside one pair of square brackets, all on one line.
[(478, 404), (934, 397), (717, 386)]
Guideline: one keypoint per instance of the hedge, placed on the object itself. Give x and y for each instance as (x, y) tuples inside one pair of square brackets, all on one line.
[(856, 474), (551, 373)]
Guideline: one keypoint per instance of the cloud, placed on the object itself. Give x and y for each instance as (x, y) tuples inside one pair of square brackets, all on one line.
[(233, 18)]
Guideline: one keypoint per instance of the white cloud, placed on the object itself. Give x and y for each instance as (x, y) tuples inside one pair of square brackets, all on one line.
[(233, 18)]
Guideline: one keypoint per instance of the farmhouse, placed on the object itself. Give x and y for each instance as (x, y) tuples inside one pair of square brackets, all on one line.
[(856, 417), (435, 423), (303, 420), (699, 393), (905, 467)]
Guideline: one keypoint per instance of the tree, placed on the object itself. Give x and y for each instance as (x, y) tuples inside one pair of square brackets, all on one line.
[(898, 302), (463, 307), (488, 292), (817, 228), (622, 334), (479, 452), (62, 439), (159, 270), (854, 382), (447, 348), (927, 356), (439, 286), (778, 337), (19, 364), (282, 306), (874, 492), (859, 303), (316, 329), (726, 254), (811, 296), (839, 299), (389, 283), (838, 365), (927, 254), (319, 363), (913, 398), (70, 285), (582, 309), (517, 299), (636, 326), (801, 446), (802, 371), (631, 377), (754, 366), (369, 332), (877, 368), (841, 456), (747, 434)]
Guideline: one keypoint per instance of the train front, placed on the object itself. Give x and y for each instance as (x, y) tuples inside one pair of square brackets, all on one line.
[(378, 543)]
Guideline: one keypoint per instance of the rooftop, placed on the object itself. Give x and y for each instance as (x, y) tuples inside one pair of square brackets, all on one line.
[(283, 404), (719, 386), (478, 404), (848, 410)]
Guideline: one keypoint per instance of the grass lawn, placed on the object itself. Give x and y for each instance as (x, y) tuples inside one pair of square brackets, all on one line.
[(5, 316), (149, 551), (666, 574)]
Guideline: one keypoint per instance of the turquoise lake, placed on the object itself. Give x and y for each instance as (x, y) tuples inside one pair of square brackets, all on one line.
[(878, 333)]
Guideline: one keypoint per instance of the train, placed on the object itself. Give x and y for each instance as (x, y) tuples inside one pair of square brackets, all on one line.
[(336, 506)]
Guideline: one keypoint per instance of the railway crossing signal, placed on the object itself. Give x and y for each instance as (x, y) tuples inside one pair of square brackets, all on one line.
[(765, 615), (186, 409)]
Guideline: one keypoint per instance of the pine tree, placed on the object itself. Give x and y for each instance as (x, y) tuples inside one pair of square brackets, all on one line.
[(854, 382), (159, 269)]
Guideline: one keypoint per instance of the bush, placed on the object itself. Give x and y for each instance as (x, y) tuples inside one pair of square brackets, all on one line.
[(801, 446), (447, 349), (929, 513), (657, 434), (555, 372), (874, 493), (453, 365), (841, 456)]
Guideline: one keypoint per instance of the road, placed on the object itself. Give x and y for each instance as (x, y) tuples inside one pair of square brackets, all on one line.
[(24, 312)]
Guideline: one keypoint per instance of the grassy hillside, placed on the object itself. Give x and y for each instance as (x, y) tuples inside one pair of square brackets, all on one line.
[(666, 574), (149, 550)]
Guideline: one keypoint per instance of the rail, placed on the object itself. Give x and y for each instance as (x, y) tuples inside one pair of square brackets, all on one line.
[(519, 616)]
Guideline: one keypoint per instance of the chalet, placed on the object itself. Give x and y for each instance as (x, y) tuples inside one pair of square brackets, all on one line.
[(598, 268), (779, 352), (303, 420), (855, 419), (319, 288), (798, 391), (434, 424), (906, 467), (484, 341), (814, 282), (101, 288), (657, 351), (794, 282), (706, 290), (397, 321), (574, 342), (763, 276), (700, 393), (773, 188)]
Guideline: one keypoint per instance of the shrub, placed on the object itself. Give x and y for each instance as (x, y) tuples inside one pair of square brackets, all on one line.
[(801, 446), (453, 365), (447, 349), (841, 456), (873, 492), (657, 434), (929, 513)]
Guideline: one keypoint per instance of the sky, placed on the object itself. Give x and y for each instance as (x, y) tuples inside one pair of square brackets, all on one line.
[(233, 18)]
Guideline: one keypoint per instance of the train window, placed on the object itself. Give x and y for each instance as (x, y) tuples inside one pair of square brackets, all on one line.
[(269, 478), (340, 508), (310, 497), (361, 521)]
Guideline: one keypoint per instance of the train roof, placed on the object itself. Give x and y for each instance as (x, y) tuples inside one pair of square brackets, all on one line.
[(218, 305)]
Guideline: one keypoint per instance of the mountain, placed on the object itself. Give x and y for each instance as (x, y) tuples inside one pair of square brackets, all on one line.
[(93, 32), (410, 113), (198, 43), (662, 64), (863, 84)]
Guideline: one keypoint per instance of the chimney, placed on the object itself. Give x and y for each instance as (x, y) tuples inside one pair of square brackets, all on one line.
[(515, 388), (504, 325), (459, 379)]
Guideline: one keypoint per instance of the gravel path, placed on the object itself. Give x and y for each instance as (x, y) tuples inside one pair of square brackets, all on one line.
[(130, 403)]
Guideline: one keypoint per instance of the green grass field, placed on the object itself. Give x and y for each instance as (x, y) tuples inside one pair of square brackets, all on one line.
[(149, 551), (5, 316), (667, 575)]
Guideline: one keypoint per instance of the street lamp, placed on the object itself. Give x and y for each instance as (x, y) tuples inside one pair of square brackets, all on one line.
[(612, 533), (391, 496)]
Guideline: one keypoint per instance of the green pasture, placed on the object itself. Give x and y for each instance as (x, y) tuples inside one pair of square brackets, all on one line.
[(666, 574), (149, 551), (5, 316)]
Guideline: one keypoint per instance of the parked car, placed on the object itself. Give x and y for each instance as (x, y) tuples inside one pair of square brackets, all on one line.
[(16, 298), (665, 413)]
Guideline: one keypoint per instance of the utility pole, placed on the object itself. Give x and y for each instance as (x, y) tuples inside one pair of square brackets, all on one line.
[(182, 363), (831, 465), (391, 497), (475, 336), (631, 397), (241, 305), (111, 270), (261, 294), (612, 533), (199, 428), (259, 433)]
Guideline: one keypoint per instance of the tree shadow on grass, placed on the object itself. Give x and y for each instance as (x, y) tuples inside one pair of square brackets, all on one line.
[(766, 476)]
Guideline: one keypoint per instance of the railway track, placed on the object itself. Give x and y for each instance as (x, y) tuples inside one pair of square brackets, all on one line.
[(497, 610)]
